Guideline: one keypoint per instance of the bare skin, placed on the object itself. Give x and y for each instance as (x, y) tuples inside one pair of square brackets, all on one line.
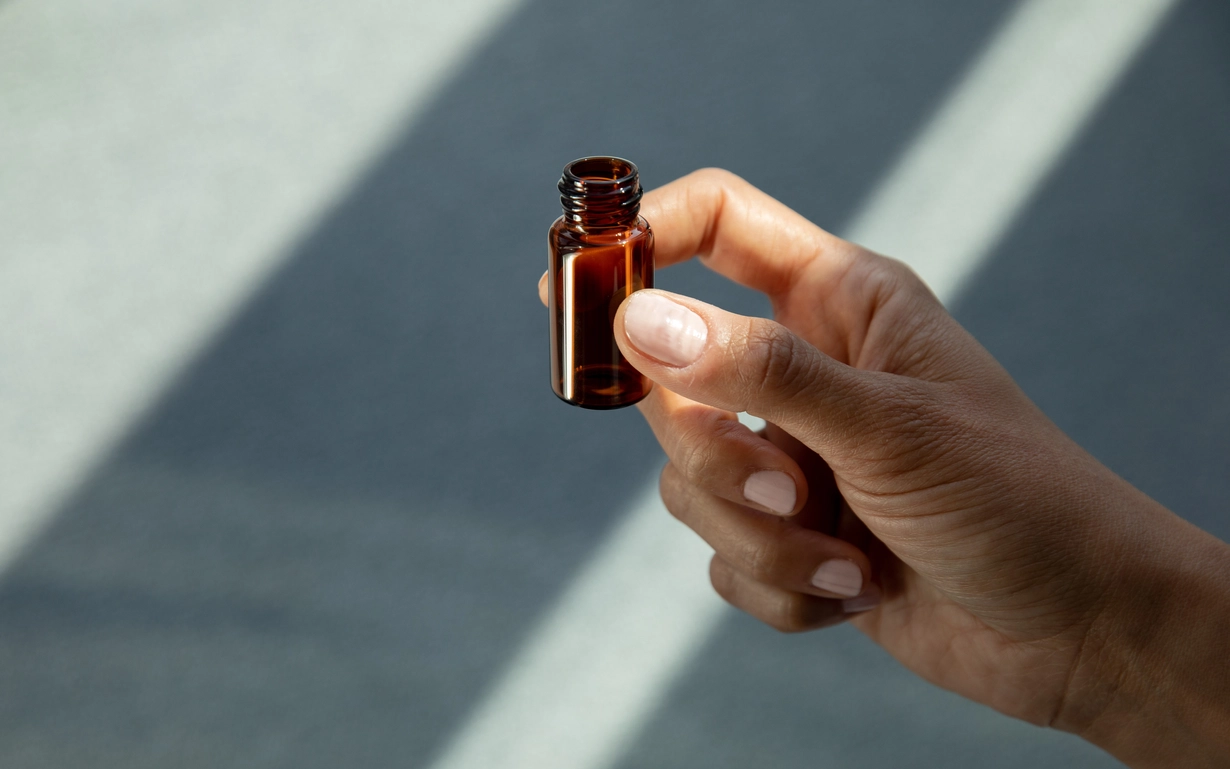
[(920, 494)]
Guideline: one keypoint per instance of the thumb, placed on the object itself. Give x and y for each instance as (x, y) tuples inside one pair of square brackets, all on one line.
[(747, 364)]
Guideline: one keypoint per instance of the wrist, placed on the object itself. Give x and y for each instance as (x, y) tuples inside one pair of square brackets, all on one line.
[(1152, 682)]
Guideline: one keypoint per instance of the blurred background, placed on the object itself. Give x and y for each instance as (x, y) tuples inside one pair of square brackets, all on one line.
[(282, 480)]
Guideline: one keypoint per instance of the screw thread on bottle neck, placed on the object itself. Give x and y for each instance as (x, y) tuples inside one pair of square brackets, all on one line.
[(600, 192)]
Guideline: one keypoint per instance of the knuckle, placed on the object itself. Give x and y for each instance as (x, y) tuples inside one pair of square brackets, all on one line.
[(702, 458), (718, 178), (786, 612), (671, 487), (793, 613), (773, 360), (697, 460), (887, 282), (682, 499), (887, 275), (763, 560), (722, 579), (902, 277)]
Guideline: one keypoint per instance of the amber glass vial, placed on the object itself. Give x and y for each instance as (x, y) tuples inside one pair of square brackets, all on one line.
[(600, 251)]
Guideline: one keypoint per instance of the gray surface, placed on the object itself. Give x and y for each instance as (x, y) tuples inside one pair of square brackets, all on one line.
[(334, 529), (1110, 303)]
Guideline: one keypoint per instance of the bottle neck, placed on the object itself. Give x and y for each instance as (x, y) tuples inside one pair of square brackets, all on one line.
[(600, 193)]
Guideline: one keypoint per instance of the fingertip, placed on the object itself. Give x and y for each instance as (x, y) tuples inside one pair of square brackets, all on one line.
[(659, 326), (542, 289), (775, 491), (839, 578), (783, 610), (869, 599)]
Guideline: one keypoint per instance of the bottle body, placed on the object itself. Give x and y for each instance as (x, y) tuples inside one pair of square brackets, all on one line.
[(589, 274)]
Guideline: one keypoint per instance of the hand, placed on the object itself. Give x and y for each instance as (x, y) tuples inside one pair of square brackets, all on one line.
[(904, 482)]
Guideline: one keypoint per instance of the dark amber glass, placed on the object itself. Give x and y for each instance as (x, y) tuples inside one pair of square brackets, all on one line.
[(600, 251)]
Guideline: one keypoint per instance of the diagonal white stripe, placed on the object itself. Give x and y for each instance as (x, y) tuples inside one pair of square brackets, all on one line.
[(602, 659), (134, 220), (579, 689), (974, 167)]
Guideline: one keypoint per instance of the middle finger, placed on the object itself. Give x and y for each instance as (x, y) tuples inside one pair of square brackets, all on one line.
[(717, 453)]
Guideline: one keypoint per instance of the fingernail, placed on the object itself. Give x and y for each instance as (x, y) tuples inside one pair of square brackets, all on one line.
[(771, 488), (865, 602), (839, 576), (664, 329)]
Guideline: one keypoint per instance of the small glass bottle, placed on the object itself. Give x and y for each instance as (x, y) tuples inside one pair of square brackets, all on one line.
[(600, 251)]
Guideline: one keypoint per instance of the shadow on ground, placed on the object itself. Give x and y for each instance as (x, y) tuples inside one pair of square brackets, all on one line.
[(323, 542)]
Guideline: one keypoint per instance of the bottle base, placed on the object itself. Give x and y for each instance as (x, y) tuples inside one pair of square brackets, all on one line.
[(604, 387), (604, 406)]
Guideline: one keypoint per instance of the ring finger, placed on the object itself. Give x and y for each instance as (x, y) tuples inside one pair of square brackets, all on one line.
[(766, 548)]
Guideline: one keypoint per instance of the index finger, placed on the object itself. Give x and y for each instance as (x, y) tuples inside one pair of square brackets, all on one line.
[(738, 231)]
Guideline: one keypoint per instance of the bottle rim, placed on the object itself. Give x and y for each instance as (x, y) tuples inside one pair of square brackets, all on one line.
[(600, 191), (603, 171)]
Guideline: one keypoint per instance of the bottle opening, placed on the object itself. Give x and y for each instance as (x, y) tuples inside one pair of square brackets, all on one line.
[(600, 191), (615, 171)]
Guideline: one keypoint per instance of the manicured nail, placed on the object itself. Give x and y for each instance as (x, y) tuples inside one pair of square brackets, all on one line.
[(771, 488), (865, 602), (664, 329), (839, 576)]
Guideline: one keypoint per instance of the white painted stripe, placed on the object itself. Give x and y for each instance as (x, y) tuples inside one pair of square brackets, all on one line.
[(966, 178), (603, 658), (595, 667), (159, 157)]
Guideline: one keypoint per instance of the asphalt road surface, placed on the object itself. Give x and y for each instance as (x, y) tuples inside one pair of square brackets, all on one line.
[(344, 498)]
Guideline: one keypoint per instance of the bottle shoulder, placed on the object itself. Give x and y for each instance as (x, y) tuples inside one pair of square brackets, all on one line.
[(561, 232)]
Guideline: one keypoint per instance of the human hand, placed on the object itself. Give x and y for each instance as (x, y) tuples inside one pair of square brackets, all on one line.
[(904, 480)]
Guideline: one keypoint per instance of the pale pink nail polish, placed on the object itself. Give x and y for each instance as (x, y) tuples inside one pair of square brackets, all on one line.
[(839, 576), (865, 602), (771, 488), (664, 329)]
